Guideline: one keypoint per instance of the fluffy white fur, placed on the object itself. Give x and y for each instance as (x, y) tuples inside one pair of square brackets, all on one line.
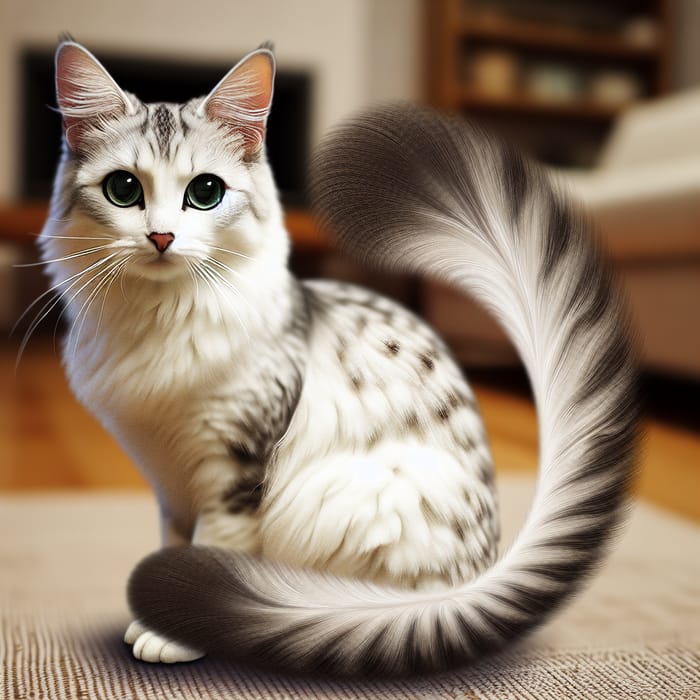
[(220, 374), (161, 349)]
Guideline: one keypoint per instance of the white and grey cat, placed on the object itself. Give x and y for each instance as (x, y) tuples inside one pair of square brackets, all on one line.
[(312, 444)]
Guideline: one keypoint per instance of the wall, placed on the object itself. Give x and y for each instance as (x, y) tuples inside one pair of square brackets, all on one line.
[(686, 47), (357, 50)]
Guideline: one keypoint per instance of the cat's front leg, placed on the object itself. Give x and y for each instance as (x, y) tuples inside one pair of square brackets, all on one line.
[(148, 645), (171, 535), (227, 498)]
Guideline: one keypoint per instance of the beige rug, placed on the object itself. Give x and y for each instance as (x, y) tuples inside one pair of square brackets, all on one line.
[(64, 560)]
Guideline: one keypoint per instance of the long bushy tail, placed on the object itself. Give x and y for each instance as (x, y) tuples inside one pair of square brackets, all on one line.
[(414, 191)]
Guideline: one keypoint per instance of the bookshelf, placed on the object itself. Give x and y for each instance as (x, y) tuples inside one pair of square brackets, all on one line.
[(551, 76)]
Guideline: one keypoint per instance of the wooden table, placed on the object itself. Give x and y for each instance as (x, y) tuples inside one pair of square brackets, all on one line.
[(21, 222)]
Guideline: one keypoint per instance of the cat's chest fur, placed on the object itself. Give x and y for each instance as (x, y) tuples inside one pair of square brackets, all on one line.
[(355, 367), (190, 390)]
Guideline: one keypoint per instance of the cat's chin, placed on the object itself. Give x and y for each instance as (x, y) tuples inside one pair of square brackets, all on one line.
[(159, 270)]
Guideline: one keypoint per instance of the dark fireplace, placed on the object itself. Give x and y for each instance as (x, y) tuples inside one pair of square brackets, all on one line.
[(159, 80)]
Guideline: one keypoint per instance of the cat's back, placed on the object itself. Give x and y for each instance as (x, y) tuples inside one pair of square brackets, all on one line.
[(385, 460), (375, 341), (376, 370)]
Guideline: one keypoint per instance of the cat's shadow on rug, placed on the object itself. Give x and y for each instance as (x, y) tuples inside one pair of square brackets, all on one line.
[(218, 676)]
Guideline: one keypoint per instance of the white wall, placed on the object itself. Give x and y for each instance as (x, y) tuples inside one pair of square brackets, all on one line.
[(396, 37), (357, 50)]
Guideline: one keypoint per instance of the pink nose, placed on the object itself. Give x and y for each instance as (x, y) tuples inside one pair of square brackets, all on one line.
[(161, 240)]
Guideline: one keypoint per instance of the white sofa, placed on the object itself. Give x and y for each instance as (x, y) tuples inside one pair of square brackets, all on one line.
[(644, 196)]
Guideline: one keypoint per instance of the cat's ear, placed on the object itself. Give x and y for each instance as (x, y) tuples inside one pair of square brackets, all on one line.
[(242, 99), (86, 92)]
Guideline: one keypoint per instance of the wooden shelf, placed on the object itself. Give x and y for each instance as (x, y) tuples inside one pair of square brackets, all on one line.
[(470, 99), (479, 51), (22, 222), (306, 234), (543, 37)]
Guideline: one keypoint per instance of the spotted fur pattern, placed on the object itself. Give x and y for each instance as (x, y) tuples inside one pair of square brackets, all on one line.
[(315, 443)]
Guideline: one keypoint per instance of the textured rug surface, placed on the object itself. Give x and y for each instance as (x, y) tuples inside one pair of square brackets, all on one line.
[(64, 561)]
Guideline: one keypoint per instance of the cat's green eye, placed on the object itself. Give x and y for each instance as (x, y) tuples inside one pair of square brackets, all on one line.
[(204, 192), (122, 189)]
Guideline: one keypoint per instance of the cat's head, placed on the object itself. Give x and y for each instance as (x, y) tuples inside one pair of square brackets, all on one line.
[(163, 187)]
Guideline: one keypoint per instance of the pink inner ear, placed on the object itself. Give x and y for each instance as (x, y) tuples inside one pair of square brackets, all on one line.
[(243, 98), (85, 91)]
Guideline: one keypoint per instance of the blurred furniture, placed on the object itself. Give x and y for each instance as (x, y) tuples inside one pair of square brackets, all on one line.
[(644, 195), (551, 75), (65, 559)]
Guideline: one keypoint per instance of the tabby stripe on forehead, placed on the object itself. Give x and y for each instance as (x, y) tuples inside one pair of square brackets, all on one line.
[(163, 125), (143, 126)]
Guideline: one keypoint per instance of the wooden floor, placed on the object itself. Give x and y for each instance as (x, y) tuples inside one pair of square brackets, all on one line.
[(48, 441)]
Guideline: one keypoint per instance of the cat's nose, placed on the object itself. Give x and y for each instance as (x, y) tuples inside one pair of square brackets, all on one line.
[(161, 240)]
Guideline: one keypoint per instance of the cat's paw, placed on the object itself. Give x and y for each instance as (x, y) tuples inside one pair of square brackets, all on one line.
[(151, 647), (134, 631)]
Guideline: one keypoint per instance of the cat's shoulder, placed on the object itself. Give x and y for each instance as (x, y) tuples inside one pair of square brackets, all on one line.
[(347, 303), (365, 327)]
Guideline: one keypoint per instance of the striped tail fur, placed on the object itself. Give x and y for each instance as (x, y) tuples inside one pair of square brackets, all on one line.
[(411, 190)]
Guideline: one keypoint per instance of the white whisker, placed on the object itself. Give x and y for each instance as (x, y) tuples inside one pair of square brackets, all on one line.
[(219, 279), (52, 303), (95, 276), (231, 252), (85, 308), (200, 271), (72, 238), (114, 275), (223, 266), (98, 272), (49, 291), (72, 256), (121, 284), (117, 276), (193, 277), (228, 283), (216, 279), (74, 279), (104, 274), (212, 261)]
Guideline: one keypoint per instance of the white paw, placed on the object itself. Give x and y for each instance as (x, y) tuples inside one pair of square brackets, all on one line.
[(133, 632), (151, 647)]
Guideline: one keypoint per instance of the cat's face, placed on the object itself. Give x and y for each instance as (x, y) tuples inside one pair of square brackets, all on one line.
[(162, 189)]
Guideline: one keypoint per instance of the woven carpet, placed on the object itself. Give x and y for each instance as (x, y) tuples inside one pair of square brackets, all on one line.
[(64, 560)]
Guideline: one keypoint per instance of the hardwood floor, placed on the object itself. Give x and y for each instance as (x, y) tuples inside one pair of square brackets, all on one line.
[(49, 442)]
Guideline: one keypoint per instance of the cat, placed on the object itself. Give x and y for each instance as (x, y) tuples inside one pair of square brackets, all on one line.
[(324, 478)]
